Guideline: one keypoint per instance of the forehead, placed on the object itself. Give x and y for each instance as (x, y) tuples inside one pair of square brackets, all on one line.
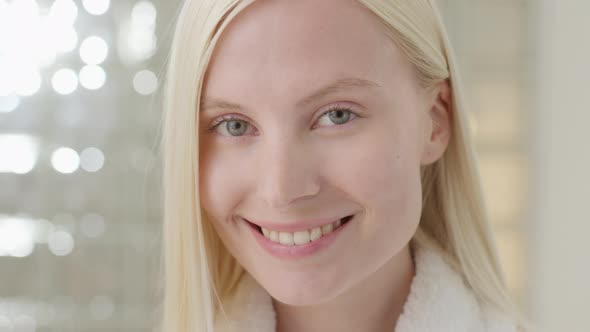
[(275, 50)]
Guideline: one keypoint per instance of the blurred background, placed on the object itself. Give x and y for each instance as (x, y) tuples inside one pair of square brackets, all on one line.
[(80, 112)]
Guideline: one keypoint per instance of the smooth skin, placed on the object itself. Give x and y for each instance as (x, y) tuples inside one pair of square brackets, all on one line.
[(284, 158)]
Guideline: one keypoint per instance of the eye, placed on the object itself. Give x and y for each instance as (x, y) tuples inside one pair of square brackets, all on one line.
[(235, 126), (231, 124), (338, 115)]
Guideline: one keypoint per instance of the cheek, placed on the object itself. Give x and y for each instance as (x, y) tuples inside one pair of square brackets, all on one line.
[(216, 183), (388, 185), (385, 179), (219, 187), (382, 165)]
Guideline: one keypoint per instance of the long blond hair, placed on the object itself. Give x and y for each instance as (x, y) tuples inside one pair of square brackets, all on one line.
[(199, 273)]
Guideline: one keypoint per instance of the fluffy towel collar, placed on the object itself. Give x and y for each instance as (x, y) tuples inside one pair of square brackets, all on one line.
[(438, 301)]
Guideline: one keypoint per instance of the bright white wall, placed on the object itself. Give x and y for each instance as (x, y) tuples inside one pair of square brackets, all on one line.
[(560, 164)]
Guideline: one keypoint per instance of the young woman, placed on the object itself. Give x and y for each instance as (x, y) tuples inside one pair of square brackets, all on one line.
[(319, 174)]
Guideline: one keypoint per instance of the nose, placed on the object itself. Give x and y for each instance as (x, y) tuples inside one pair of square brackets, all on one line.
[(286, 174)]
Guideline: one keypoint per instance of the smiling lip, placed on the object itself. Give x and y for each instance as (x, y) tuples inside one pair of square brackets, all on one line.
[(296, 225), (296, 251)]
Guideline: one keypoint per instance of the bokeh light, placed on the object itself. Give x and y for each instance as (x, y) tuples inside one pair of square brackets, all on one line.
[(137, 38), (30, 39), (9, 103), (61, 243), (65, 160), (27, 82), (92, 159), (18, 153), (92, 77), (63, 12), (64, 81), (51, 53), (66, 39), (16, 237), (6, 83), (96, 7), (144, 14), (94, 50), (20, 50), (43, 228), (145, 82)]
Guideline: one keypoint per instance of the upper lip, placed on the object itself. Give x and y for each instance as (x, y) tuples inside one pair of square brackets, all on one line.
[(294, 226)]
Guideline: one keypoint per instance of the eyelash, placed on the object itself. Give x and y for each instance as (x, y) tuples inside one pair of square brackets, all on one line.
[(217, 122)]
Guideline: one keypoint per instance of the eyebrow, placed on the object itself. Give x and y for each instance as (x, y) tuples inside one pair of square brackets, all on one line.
[(336, 86)]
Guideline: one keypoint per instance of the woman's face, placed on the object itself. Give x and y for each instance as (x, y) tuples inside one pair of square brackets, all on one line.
[(285, 161)]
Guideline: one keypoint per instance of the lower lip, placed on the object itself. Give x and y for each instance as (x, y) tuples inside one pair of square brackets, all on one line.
[(297, 251)]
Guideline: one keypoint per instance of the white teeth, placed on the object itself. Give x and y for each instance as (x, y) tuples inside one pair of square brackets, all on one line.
[(316, 233), (274, 236), (300, 237), (327, 229), (286, 238)]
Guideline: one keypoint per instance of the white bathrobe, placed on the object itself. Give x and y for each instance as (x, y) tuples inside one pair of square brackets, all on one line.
[(438, 301)]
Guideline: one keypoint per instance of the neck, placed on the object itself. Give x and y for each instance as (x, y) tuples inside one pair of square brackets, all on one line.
[(372, 305)]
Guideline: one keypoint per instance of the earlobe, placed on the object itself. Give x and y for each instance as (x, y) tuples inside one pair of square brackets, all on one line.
[(440, 115)]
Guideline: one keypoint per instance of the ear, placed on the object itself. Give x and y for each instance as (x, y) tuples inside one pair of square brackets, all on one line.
[(439, 124)]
